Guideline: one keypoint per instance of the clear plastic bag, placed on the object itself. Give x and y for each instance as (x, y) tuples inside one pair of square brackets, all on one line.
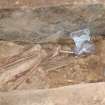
[(82, 41)]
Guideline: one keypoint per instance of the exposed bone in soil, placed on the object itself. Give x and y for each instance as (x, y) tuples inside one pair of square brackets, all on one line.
[(47, 70)]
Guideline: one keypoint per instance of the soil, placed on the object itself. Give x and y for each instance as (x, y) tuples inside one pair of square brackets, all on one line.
[(67, 69), (58, 69), (40, 3), (43, 3)]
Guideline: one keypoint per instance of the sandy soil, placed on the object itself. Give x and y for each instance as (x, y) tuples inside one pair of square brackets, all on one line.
[(56, 70), (66, 69), (43, 3), (88, 94)]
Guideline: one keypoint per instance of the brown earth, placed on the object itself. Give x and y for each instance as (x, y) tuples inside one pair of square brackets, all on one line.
[(55, 70), (49, 68), (83, 94), (43, 3)]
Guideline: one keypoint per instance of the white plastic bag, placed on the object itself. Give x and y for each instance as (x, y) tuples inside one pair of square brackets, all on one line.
[(82, 41)]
